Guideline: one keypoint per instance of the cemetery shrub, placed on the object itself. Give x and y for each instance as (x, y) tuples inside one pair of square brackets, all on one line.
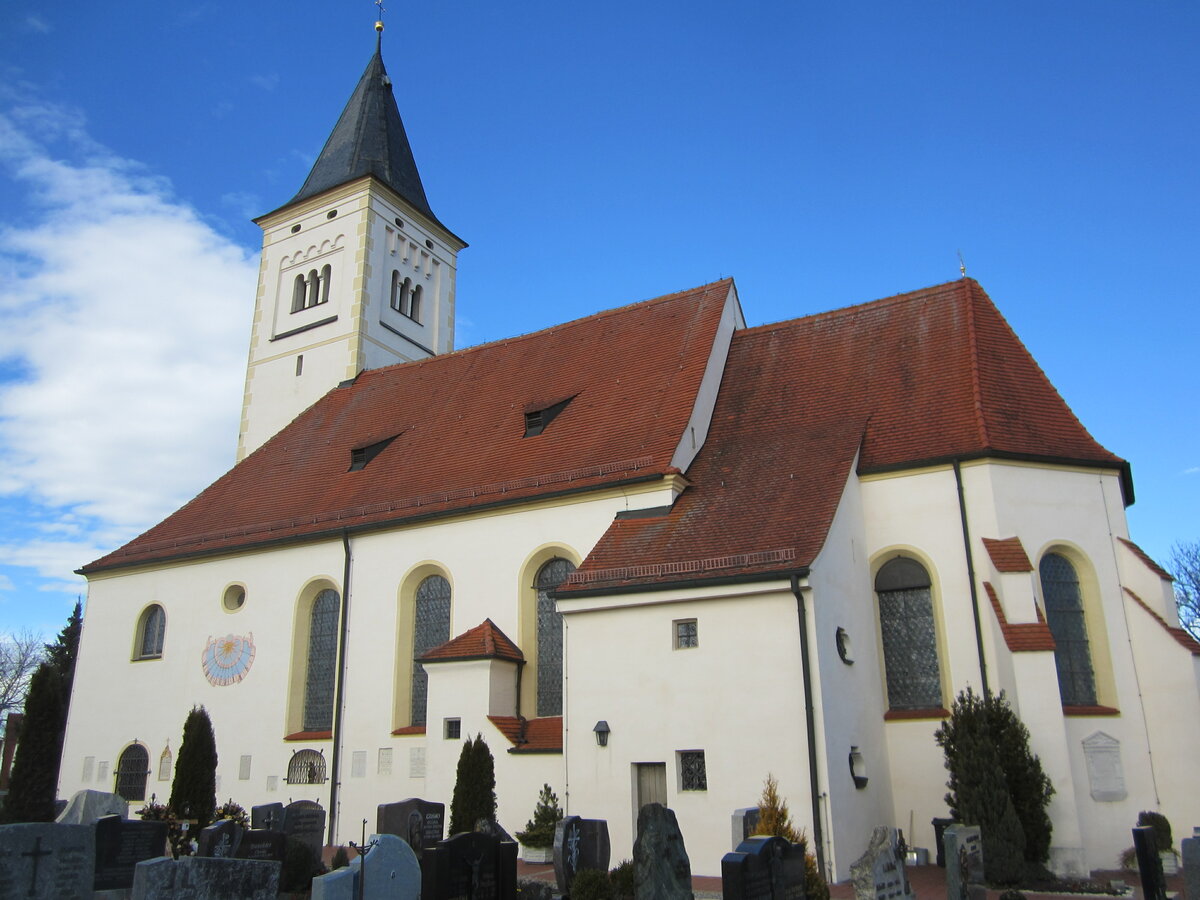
[(623, 879), (533, 889), (775, 820), (194, 788), (591, 884), (35, 770), (177, 838), (474, 787), (539, 831), (1161, 826), (987, 754), (1012, 895), (300, 866), (340, 860)]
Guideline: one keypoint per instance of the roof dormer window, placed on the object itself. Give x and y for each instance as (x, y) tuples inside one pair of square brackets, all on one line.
[(539, 416), (360, 456)]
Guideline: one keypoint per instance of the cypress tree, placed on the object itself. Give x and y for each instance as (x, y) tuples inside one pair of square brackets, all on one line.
[(35, 770), (474, 787), (194, 788)]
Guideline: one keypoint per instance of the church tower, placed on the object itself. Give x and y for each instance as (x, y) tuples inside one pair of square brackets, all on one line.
[(356, 272)]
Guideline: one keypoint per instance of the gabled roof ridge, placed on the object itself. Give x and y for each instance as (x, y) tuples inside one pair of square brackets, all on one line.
[(484, 641), (1147, 560), (529, 335), (973, 363), (1181, 635)]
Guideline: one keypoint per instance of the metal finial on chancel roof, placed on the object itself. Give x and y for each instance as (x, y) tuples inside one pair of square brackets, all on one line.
[(379, 21)]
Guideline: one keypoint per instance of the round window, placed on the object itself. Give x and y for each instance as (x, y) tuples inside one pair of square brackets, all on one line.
[(235, 597)]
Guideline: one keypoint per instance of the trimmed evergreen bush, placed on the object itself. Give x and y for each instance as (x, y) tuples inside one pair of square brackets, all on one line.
[(1161, 826), (194, 788), (340, 860), (623, 878), (474, 787), (775, 820), (591, 884), (35, 770), (539, 831)]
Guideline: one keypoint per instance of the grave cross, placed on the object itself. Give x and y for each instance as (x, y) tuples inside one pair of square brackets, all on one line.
[(37, 853)]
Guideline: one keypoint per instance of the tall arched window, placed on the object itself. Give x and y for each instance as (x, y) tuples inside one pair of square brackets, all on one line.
[(325, 274), (395, 291), (132, 770), (1065, 616), (298, 293), (415, 309), (152, 628), (906, 622), (431, 628), (550, 637), (314, 289), (322, 659)]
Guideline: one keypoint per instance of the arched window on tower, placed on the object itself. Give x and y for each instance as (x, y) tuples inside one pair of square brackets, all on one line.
[(431, 628), (414, 311), (322, 659), (152, 628), (909, 633), (394, 302), (1065, 616), (406, 289), (550, 637), (298, 293), (314, 289), (325, 274), (133, 768)]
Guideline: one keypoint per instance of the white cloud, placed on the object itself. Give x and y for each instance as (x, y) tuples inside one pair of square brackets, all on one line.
[(125, 319), (38, 24)]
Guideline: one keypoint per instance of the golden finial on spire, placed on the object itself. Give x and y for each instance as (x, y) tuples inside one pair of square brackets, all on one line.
[(962, 266), (379, 21)]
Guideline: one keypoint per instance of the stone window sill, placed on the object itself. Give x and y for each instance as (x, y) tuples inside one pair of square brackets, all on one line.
[(899, 715)]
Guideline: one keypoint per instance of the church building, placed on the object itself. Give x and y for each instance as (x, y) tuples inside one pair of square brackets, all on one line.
[(650, 555)]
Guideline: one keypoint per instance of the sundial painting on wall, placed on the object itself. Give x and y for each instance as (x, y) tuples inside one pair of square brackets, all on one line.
[(227, 660)]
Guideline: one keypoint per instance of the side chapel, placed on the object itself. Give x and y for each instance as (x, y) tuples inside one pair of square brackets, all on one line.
[(651, 555)]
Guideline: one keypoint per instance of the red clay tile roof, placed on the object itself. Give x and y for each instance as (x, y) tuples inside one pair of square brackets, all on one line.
[(1008, 555), (542, 735), (484, 641), (1024, 637), (1185, 640), (633, 372), (1150, 564), (915, 379)]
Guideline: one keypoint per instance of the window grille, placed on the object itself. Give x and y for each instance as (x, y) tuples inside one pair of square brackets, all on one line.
[(692, 773), (154, 628), (1065, 616), (431, 628), (306, 767), (322, 657), (909, 636), (452, 729), (686, 634), (549, 637), (133, 768)]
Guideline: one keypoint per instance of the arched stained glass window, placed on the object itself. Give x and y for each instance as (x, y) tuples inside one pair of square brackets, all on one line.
[(550, 637), (132, 770), (322, 658), (431, 628), (152, 628), (909, 635), (1064, 615)]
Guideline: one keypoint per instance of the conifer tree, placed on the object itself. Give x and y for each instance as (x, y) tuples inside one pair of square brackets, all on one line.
[(194, 788), (34, 781), (474, 787), (539, 831), (773, 816)]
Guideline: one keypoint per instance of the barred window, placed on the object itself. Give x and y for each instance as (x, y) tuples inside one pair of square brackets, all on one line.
[(1064, 615), (322, 657), (549, 637), (686, 634), (909, 635), (452, 729), (692, 774), (306, 767), (133, 768), (152, 627), (431, 628)]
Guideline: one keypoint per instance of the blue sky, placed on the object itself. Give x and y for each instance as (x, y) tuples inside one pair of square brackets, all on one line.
[(823, 154)]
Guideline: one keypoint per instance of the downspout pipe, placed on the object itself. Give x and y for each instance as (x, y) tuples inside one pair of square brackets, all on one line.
[(962, 513), (339, 692), (810, 725)]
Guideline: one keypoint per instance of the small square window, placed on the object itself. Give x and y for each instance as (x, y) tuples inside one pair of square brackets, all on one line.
[(692, 774), (686, 634), (452, 729)]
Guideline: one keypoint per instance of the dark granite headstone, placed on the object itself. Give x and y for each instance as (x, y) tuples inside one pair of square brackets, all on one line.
[(120, 845), (417, 822), (221, 839), (1154, 883), (1190, 849), (579, 844), (964, 860), (45, 860), (267, 817), (206, 878), (763, 868), (304, 820), (470, 865), (269, 845), (662, 870)]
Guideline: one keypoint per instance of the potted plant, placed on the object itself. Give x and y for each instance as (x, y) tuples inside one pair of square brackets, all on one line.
[(537, 840)]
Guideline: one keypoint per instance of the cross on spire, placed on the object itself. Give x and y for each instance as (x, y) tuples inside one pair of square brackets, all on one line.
[(379, 21)]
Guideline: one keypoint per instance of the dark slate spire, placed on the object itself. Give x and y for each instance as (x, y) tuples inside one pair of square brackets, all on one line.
[(369, 139)]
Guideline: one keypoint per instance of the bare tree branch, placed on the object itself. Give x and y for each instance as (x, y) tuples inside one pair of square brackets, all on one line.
[(1184, 564), (20, 654)]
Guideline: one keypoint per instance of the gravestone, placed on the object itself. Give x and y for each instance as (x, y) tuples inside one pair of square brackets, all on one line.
[(304, 820), (472, 865), (661, 868), (262, 844), (389, 870), (85, 807), (743, 825), (879, 873), (221, 839), (763, 868), (205, 878), (1154, 883), (47, 860), (267, 817), (418, 822), (120, 845), (579, 844), (964, 860), (1190, 849)]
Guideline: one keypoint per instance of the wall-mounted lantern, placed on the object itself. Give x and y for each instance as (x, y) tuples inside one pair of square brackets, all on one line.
[(601, 730)]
